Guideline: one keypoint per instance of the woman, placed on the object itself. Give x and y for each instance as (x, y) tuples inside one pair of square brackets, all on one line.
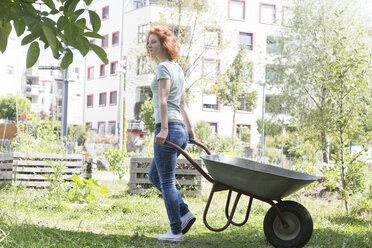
[(171, 115)]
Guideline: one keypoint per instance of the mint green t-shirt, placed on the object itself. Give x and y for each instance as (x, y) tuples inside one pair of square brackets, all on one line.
[(172, 71)]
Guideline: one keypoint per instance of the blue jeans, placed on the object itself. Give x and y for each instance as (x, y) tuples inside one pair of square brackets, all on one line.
[(162, 174)]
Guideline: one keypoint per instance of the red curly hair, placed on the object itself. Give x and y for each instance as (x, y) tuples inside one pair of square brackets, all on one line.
[(168, 41)]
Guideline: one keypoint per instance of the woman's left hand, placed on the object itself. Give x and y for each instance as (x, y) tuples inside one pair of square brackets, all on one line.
[(161, 137)]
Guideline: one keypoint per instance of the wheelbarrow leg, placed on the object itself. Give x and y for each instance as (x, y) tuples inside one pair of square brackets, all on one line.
[(247, 213), (229, 219)]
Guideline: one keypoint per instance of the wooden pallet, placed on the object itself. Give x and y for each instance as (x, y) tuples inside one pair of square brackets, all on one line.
[(32, 170), (188, 179)]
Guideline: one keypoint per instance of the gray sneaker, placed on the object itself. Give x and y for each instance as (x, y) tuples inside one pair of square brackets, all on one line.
[(187, 221)]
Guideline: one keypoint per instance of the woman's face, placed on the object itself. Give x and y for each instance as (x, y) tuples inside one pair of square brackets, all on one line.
[(154, 45)]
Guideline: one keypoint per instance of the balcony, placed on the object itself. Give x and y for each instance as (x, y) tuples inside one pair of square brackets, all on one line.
[(34, 90), (135, 126)]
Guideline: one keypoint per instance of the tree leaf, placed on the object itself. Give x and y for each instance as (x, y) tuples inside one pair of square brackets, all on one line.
[(61, 23), (50, 4), (4, 35), (19, 26), (93, 35), (100, 52), (95, 20), (67, 59), (32, 54), (88, 2), (50, 36), (29, 38)]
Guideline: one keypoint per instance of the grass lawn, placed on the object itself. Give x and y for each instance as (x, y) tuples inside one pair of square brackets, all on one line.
[(119, 219)]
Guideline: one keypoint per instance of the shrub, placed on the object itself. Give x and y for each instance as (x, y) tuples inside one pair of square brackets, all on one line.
[(203, 131), (116, 159), (37, 136)]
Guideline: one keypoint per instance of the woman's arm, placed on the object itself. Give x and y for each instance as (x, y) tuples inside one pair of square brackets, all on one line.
[(185, 115), (164, 88)]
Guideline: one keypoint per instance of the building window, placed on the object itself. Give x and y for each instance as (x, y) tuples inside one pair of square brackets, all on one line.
[(104, 42), (102, 70), (113, 97), (274, 45), (142, 32), (142, 65), (88, 125), (237, 9), (271, 73), (245, 104), (183, 33), (113, 67), (267, 13), (91, 72), (211, 68), (115, 38), (89, 101), (144, 93), (247, 40), (213, 38), (102, 99), (287, 15), (214, 127), (210, 101), (111, 127), (101, 127), (105, 13)]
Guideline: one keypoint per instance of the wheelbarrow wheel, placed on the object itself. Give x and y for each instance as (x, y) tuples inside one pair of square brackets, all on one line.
[(300, 228)]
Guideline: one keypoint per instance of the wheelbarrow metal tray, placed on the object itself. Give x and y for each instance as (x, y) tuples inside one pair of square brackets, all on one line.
[(263, 180)]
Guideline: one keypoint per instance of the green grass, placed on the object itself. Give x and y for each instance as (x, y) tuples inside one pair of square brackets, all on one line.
[(120, 219)]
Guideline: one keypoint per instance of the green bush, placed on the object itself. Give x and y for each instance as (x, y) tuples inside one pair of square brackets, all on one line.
[(116, 159), (203, 131), (79, 134), (37, 136)]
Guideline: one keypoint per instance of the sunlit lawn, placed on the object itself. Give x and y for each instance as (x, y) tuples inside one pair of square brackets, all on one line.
[(120, 219)]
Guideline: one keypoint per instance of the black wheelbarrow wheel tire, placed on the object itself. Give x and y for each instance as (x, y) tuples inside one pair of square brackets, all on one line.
[(300, 228)]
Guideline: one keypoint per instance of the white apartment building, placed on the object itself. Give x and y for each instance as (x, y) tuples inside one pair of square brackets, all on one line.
[(42, 87), (253, 23)]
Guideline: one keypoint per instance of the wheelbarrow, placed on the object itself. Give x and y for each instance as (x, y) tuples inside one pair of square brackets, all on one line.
[(286, 223)]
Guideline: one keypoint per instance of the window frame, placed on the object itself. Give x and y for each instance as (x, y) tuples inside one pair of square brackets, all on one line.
[(99, 99), (253, 40), (100, 70), (210, 59), (210, 109), (114, 62), (106, 38), (88, 73), (108, 14), (111, 122), (90, 106), (116, 98), (260, 14), (141, 37), (101, 122), (219, 31), (216, 123), (144, 60), (112, 38), (244, 11)]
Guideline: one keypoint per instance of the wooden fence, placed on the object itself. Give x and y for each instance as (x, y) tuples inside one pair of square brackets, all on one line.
[(188, 179), (32, 170)]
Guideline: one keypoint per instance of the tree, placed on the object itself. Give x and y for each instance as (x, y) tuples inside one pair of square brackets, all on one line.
[(235, 86), (203, 131), (147, 115), (69, 31), (8, 106), (190, 21), (326, 71)]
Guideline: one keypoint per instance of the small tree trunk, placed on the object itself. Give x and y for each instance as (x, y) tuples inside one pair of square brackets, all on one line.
[(324, 146)]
